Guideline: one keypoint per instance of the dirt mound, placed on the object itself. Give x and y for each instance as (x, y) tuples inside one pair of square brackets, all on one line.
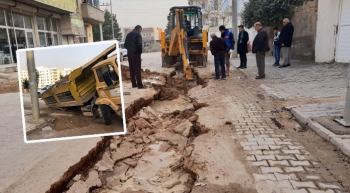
[(156, 47), (145, 74), (9, 87), (172, 89)]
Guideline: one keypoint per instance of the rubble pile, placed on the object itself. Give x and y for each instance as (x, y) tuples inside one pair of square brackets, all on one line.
[(151, 156)]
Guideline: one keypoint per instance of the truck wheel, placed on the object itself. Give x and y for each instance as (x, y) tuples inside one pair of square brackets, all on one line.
[(105, 114)]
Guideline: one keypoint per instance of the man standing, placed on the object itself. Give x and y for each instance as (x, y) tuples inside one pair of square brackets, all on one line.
[(260, 47), (276, 47), (133, 43), (188, 26), (227, 35), (217, 48), (285, 41), (242, 47)]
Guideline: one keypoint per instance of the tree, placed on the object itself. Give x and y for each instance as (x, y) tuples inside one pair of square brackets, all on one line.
[(167, 28), (268, 12), (25, 84), (107, 28), (61, 76)]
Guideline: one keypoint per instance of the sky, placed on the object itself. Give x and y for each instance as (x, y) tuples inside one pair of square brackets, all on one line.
[(64, 57), (147, 13)]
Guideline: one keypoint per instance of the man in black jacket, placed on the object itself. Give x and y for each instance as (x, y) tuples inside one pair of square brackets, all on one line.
[(133, 43), (242, 47), (285, 41), (260, 47), (217, 48)]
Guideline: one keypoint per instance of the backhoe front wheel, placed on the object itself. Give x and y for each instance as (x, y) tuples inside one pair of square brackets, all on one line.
[(105, 114), (201, 60)]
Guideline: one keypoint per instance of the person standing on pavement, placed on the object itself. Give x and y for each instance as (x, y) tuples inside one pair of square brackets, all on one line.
[(285, 41), (260, 47), (133, 43), (276, 47), (242, 47), (218, 48), (227, 35)]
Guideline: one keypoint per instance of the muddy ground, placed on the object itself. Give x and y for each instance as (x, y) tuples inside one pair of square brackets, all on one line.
[(162, 151), (68, 123)]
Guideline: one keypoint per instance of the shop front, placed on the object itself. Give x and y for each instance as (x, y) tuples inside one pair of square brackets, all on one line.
[(31, 24)]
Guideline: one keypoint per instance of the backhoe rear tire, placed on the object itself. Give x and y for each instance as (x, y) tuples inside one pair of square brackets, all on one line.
[(105, 114)]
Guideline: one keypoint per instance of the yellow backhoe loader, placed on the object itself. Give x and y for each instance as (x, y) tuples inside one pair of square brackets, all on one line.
[(184, 44)]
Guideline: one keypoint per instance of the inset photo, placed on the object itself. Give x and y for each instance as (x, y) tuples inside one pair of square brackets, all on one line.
[(70, 92)]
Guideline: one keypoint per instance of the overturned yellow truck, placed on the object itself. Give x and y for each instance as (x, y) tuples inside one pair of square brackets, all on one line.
[(94, 87)]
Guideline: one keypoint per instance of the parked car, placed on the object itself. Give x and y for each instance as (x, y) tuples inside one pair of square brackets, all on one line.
[(41, 91)]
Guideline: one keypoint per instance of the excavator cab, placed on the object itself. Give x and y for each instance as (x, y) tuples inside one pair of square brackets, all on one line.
[(196, 37)]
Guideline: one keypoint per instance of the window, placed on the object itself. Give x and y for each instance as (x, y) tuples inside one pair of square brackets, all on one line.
[(216, 5), (107, 74), (47, 29)]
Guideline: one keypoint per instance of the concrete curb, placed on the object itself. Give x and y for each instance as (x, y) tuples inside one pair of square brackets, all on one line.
[(273, 94), (323, 132)]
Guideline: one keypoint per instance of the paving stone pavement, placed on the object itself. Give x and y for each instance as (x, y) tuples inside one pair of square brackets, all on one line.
[(283, 162), (301, 79)]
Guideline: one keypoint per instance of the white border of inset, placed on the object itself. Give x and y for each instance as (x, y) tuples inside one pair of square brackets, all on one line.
[(74, 137)]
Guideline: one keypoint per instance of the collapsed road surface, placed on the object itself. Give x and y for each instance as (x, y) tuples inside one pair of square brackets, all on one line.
[(217, 137)]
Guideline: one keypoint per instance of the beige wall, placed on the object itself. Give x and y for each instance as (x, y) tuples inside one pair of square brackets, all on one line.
[(89, 34), (326, 36)]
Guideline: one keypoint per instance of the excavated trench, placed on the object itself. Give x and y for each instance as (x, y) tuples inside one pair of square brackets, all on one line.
[(151, 157)]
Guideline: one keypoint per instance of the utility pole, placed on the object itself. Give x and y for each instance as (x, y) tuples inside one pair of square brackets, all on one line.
[(112, 20), (234, 26), (101, 34), (110, 3), (33, 85)]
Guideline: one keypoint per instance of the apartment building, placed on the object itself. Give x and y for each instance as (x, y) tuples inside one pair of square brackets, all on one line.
[(47, 75), (43, 23), (150, 35)]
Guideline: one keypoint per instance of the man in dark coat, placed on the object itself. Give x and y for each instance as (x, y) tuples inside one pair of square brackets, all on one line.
[(242, 47), (260, 47), (133, 43), (285, 41), (217, 48)]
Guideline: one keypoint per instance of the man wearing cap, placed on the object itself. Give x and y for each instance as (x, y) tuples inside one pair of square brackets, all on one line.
[(227, 35), (260, 47), (133, 43)]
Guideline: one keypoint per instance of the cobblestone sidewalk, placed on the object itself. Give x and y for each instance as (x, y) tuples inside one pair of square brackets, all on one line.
[(301, 79), (282, 162)]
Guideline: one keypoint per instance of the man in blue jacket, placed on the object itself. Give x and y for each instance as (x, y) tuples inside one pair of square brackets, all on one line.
[(227, 35), (133, 43)]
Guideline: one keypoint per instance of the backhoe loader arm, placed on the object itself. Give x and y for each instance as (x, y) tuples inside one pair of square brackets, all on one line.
[(178, 44)]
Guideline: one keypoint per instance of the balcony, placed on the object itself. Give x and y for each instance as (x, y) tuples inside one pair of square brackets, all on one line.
[(72, 25), (226, 7), (92, 14)]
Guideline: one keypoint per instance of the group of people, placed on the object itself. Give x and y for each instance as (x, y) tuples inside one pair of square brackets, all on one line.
[(221, 48)]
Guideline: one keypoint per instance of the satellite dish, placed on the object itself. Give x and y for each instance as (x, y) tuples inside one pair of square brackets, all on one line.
[(190, 2)]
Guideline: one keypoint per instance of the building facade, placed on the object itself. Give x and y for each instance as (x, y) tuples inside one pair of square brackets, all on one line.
[(150, 35), (43, 23)]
